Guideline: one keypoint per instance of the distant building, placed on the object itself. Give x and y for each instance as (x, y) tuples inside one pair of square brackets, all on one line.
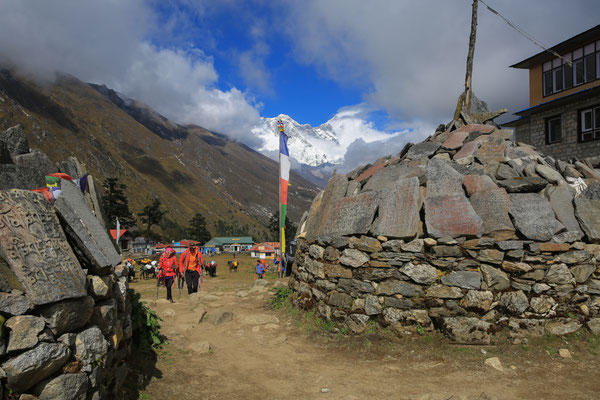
[(265, 250), (182, 246), (228, 244), (563, 119), (141, 245)]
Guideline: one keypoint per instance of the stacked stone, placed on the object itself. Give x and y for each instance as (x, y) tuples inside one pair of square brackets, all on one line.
[(467, 232), (65, 316)]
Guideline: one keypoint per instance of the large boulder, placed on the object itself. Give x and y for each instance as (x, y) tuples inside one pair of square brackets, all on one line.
[(64, 387), (32, 366), (15, 140)]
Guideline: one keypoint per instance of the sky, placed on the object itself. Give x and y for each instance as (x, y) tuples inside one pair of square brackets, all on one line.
[(224, 64)]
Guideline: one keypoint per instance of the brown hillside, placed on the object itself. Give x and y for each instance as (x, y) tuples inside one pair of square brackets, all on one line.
[(191, 171)]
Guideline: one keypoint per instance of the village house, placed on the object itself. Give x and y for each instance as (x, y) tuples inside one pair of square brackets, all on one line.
[(563, 117), (265, 250), (228, 244), (141, 245)]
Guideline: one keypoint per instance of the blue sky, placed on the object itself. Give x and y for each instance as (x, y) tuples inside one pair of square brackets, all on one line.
[(293, 87)]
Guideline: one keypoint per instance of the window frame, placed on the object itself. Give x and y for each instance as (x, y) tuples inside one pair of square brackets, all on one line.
[(594, 129), (557, 68), (547, 124)]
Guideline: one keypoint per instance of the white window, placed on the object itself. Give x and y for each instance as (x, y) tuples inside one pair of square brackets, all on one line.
[(589, 123)]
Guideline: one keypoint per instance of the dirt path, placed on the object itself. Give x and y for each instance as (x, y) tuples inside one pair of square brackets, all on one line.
[(268, 354)]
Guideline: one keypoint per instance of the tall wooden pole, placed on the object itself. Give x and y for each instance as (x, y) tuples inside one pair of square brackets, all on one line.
[(470, 56), (279, 185)]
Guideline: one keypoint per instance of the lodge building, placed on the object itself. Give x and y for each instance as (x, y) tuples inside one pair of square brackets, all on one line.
[(563, 117)]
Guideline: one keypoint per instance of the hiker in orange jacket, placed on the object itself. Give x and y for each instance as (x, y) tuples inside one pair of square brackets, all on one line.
[(190, 265), (168, 270)]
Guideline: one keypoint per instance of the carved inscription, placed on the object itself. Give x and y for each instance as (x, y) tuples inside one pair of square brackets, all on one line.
[(36, 249)]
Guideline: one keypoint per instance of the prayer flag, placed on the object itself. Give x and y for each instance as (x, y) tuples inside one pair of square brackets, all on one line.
[(284, 178)]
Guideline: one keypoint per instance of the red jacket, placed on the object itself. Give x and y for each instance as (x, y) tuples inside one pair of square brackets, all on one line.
[(185, 258), (168, 265)]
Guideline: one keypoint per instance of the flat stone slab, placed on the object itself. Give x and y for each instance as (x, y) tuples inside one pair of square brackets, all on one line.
[(384, 178), (466, 154), (493, 207), (492, 150), (451, 216), (335, 190), (352, 215), (422, 150), (456, 139), (442, 179), (533, 216), (399, 209), (478, 183), (36, 249), (523, 185), (588, 214), (90, 238), (561, 201)]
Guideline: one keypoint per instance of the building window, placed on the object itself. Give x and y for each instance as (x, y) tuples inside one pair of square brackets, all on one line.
[(589, 124), (553, 130), (558, 75)]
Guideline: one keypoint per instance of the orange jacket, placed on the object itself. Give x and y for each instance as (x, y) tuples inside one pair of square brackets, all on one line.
[(184, 260), (168, 265)]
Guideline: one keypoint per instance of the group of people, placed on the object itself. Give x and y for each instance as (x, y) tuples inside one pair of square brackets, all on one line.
[(188, 269)]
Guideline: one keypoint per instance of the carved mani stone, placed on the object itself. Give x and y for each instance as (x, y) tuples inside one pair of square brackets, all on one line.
[(36, 249)]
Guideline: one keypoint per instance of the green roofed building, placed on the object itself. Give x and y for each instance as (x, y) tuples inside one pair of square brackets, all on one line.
[(229, 244)]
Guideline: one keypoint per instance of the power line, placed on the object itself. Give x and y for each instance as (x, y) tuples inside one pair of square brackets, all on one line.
[(525, 34)]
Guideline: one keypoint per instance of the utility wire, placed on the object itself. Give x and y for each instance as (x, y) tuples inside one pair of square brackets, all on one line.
[(526, 35)]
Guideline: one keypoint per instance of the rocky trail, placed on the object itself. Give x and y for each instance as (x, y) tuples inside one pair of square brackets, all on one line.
[(227, 342)]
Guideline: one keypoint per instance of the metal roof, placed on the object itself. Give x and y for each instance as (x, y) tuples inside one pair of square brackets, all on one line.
[(220, 241)]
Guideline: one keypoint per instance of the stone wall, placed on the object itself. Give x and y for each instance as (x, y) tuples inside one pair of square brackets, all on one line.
[(65, 316), (466, 232), (533, 131)]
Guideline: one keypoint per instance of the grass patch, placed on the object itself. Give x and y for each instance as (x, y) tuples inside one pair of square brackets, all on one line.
[(281, 297)]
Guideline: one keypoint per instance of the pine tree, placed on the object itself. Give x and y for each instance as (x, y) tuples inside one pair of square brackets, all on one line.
[(116, 204), (197, 229), (152, 214), (290, 228)]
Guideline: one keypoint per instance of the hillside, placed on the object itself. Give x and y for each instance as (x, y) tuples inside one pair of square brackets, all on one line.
[(189, 168)]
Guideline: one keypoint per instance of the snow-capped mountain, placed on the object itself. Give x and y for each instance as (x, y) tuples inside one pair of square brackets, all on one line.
[(320, 145)]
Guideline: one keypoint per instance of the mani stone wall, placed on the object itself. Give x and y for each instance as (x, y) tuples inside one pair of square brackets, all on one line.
[(466, 232), (65, 316)]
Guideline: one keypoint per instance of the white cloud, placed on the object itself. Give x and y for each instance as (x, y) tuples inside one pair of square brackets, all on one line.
[(107, 42), (410, 56)]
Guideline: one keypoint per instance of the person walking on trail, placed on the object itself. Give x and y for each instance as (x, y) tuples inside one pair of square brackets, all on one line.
[(168, 269), (190, 265), (280, 268), (260, 269)]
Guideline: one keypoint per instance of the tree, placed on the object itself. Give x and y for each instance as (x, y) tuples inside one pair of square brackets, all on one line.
[(197, 229), (290, 228), (116, 204), (152, 214)]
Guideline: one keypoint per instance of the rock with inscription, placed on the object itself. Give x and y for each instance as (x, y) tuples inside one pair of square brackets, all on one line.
[(493, 207), (24, 330), (32, 366), (399, 209), (319, 210), (456, 139), (588, 214), (94, 247), (451, 216), (533, 216), (63, 387), (491, 150), (382, 179), (442, 179), (35, 247), (67, 316)]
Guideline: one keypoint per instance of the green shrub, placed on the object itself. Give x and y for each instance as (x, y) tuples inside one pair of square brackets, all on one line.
[(146, 325), (281, 297)]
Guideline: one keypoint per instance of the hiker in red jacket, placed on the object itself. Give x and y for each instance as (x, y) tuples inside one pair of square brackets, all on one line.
[(168, 269), (190, 265)]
